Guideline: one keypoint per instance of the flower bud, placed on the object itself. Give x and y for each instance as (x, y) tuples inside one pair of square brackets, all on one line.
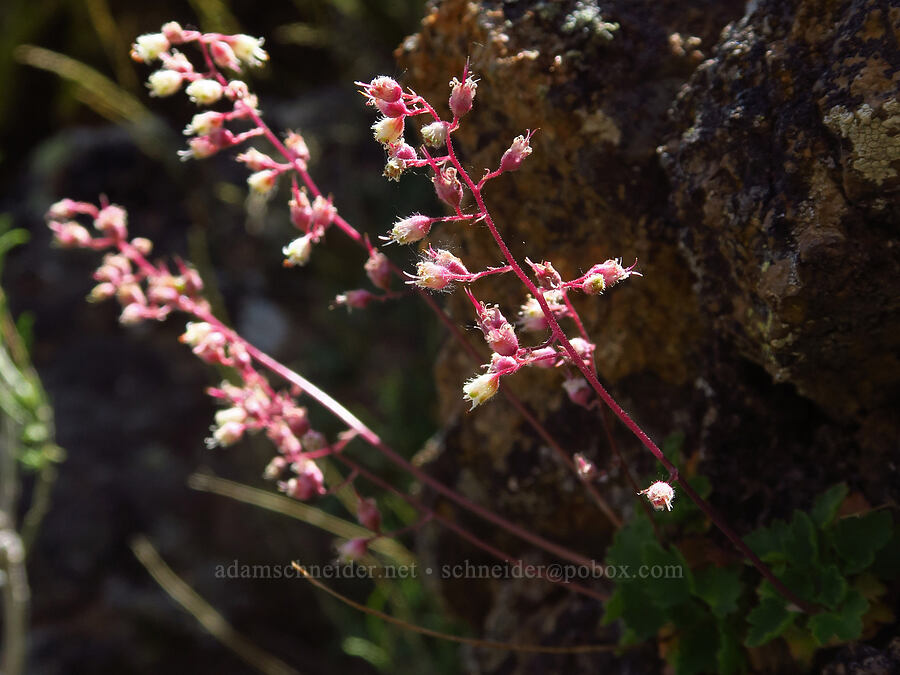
[(70, 234), (384, 88), (111, 221), (275, 468), (545, 274), (517, 152), (434, 134), (368, 515), (228, 434), (163, 83), (585, 468), (323, 212), (545, 357), (204, 92), (352, 550), (199, 147), (378, 269), (447, 187), (148, 47), (224, 56), (262, 182), (410, 229), (173, 32), (503, 365), (132, 314), (480, 388), (660, 495), (579, 391), (431, 276), (583, 348), (227, 415), (255, 160), (391, 108), (461, 95), (237, 90), (610, 273), (355, 299), (394, 168), (296, 144), (249, 49), (297, 252), (301, 211), (388, 130), (204, 123)]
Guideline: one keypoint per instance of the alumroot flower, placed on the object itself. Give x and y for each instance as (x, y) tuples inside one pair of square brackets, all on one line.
[(480, 388), (410, 229), (249, 49), (204, 92), (461, 95), (660, 495), (148, 47), (435, 134), (163, 83), (388, 130), (520, 149), (297, 252)]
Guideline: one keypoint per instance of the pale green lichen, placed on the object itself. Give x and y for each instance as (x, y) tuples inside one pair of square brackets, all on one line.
[(875, 138), (586, 18)]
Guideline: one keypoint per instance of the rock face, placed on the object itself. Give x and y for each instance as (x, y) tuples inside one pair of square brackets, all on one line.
[(749, 158)]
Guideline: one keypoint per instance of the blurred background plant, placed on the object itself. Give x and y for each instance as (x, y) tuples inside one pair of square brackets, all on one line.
[(131, 409)]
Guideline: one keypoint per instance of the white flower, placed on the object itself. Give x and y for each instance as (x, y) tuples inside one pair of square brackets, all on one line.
[(249, 50), (164, 82), (660, 495), (435, 134), (480, 388), (262, 181), (297, 252), (148, 47), (204, 92), (388, 130), (204, 123)]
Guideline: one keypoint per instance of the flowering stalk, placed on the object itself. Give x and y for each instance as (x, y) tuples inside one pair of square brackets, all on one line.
[(314, 217), (148, 291)]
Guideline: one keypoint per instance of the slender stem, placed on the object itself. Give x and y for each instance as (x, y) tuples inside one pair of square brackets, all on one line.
[(608, 399), (364, 432), (468, 536)]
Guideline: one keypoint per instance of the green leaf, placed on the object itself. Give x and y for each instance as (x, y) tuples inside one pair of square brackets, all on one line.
[(858, 538), (628, 544), (887, 561), (799, 540), (767, 621), (766, 542), (730, 655), (797, 580), (694, 653), (845, 624), (666, 576), (720, 588), (831, 585), (826, 506), (640, 613), (672, 445)]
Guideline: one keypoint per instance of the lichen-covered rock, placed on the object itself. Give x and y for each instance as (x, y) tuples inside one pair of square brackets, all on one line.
[(785, 183)]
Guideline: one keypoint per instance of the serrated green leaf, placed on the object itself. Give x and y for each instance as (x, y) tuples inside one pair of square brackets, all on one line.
[(826, 506), (767, 621), (797, 580), (666, 576), (720, 588), (730, 655), (614, 607), (628, 545), (845, 624), (766, 542), (831, 586), (640, 613), (799, 540), (858, 538)]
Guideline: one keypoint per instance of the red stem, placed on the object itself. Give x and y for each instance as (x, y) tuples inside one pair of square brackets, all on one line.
[(609, 401)]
